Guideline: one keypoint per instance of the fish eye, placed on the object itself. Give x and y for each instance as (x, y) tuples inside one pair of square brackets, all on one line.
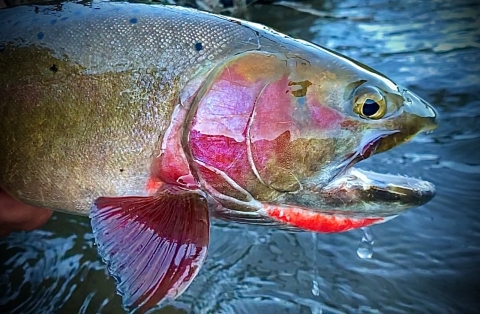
[(369, 103)]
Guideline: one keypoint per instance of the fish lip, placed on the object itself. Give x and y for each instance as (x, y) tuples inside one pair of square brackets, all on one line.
[(411, 190), (390, 193)]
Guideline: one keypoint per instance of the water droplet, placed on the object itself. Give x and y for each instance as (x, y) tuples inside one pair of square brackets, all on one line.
[(262, 239), (316, 309), (365, 248), (315, 286)]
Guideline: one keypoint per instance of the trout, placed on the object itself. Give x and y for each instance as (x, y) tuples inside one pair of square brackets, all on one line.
[(154, 119)]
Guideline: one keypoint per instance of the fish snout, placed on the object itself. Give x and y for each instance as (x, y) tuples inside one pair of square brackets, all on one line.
[(415, 105)]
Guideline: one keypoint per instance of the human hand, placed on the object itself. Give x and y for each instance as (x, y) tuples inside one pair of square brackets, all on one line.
[(15, 215)]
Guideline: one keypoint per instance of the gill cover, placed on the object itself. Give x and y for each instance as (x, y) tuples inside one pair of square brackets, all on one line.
[(259, 122)]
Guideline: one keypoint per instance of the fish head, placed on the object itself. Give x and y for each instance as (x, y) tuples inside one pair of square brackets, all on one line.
[(286, 130)]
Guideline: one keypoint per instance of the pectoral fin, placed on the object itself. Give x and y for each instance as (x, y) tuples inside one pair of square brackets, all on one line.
[(153, 246)]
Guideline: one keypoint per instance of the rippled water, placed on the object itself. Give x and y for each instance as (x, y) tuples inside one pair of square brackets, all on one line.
[(427, 260)]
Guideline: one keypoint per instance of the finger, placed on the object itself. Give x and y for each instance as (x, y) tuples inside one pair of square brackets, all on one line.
[(15, 215)]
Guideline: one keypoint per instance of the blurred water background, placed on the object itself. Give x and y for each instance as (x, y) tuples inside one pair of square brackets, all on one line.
[(425, 261)]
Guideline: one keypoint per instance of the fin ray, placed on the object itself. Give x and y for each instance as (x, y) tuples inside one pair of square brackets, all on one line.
[(153, 245)]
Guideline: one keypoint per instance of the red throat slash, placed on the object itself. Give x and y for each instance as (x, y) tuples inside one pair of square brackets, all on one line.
[(316, 221)]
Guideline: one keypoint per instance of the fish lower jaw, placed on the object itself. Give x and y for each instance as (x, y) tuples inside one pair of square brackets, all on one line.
[(387, 193)]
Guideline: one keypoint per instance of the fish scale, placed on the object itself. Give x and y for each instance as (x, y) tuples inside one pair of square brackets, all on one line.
[(125, 39), (153, 119), (152, 63)]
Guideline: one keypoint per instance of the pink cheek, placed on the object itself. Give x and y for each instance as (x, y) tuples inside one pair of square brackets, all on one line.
[(221, 152), (324, 117), (273, 112)]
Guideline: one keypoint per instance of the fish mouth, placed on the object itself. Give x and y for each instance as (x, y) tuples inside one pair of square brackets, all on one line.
[(366, 193), (362, 193), (368, 147)]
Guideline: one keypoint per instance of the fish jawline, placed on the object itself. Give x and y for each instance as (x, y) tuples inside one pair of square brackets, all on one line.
[(382, 188), (377, 188)]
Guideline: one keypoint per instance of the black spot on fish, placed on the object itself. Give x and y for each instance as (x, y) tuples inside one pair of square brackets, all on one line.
[(40, 35), (121, 169), (54, 68), (198, 46), (133, 20), (36, 9)]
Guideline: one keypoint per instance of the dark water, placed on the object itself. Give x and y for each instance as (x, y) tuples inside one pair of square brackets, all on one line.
[(425, 261)]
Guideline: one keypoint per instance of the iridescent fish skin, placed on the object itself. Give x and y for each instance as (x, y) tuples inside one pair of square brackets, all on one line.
[(152, 118), (293, 131)]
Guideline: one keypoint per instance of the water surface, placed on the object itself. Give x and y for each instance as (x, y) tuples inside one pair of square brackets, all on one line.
[(425, 261)]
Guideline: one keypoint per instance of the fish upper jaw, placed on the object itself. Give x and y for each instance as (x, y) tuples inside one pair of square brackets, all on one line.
[(415, 105)]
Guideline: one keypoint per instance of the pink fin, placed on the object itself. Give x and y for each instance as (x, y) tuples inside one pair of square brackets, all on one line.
[(317, 221), (154, 246)]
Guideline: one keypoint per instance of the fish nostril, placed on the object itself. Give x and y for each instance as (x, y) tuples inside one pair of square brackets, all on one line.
[(415, 105), (433, 113)]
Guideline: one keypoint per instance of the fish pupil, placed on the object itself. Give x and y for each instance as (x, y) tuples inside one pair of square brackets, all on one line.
[(370, 107)]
